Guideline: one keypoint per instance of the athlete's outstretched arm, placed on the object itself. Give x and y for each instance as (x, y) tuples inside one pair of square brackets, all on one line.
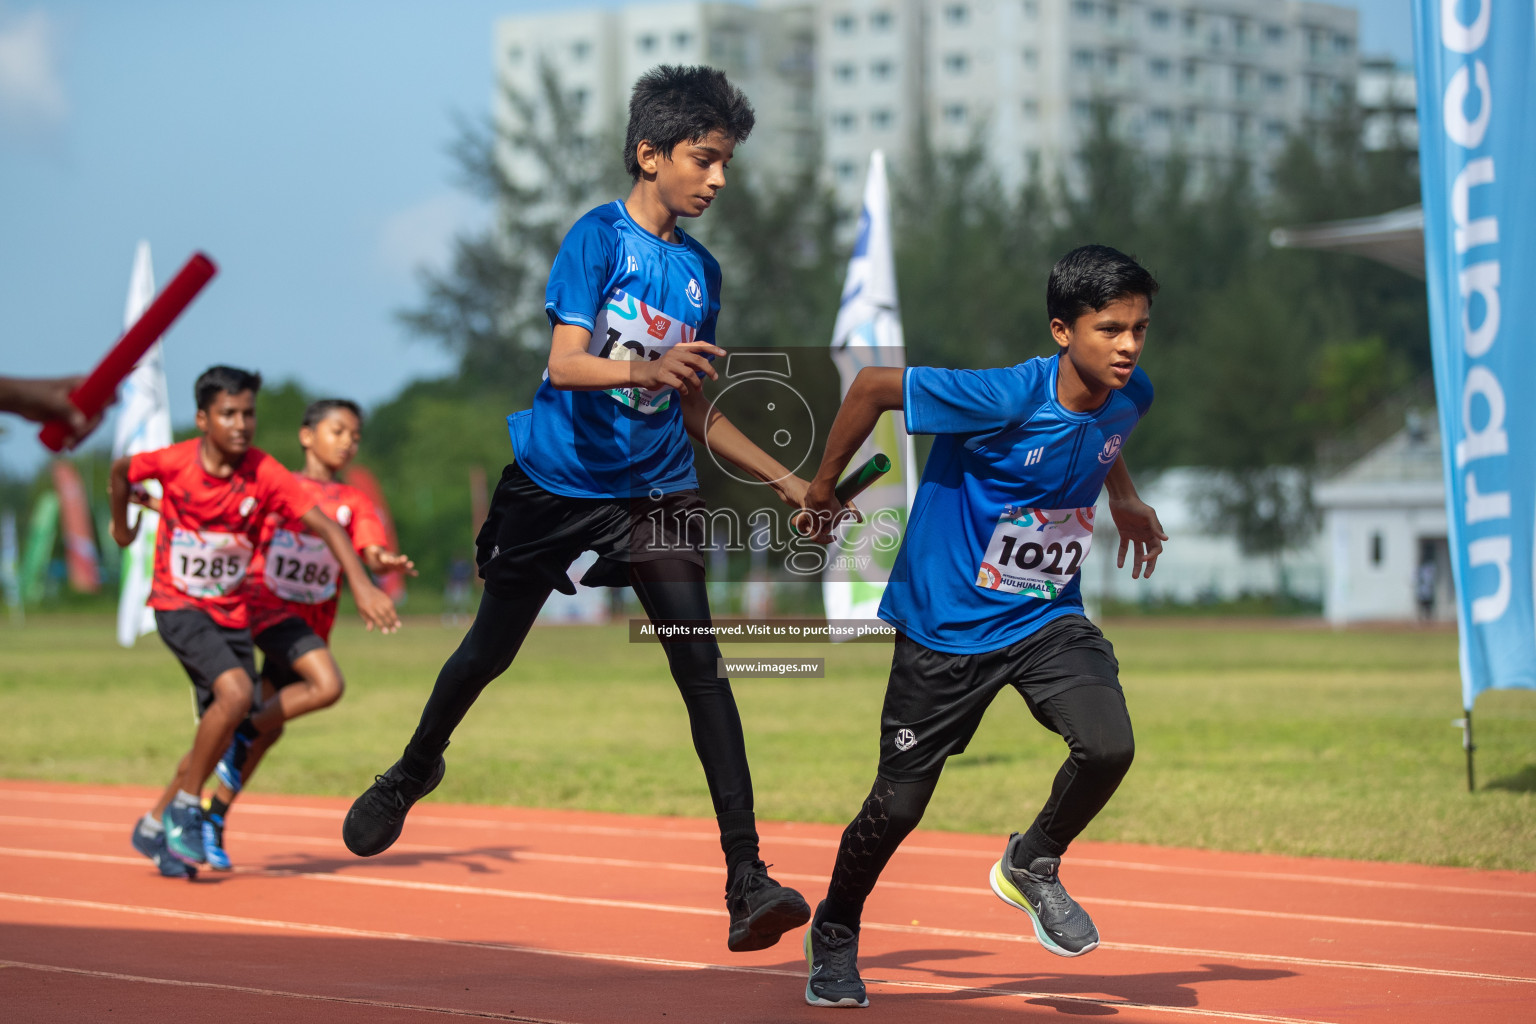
[(573, 368), (1135, 520), (117, 495), (875, 391), (372, 603), (711, 428)]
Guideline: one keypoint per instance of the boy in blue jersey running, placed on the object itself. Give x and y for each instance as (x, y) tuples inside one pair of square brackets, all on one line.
[(603, 463), (984, 592)]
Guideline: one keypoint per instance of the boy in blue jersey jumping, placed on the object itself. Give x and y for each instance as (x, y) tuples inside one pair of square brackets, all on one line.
[(604, 464), (984, 592)]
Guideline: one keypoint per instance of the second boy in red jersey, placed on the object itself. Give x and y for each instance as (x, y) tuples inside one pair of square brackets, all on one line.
[(292, 596), (217, 492)]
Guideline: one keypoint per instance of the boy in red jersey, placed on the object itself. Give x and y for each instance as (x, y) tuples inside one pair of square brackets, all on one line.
[(292, 597), (217, 492)]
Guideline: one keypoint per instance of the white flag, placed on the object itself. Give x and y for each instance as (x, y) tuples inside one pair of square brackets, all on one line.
[(868, 333), (143, 424)]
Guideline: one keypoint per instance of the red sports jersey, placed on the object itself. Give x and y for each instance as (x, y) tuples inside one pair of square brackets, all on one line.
[(209, 526), (294, 573)]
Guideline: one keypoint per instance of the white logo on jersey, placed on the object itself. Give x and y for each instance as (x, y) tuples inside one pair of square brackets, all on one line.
[(1111, 449), (905, 739), (1034, 456), (634, 265), (344, 515), (246, 506), (695, 293)]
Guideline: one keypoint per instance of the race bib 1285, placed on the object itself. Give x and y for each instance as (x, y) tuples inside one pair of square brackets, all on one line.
[(208, 564)]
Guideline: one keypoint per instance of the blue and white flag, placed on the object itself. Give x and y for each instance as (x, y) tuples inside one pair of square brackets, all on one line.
[(1477, 157), (868, 333), (143, 425)]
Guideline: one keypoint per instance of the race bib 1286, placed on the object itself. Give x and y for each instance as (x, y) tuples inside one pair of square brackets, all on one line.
[(300, 568), (1036, 551)]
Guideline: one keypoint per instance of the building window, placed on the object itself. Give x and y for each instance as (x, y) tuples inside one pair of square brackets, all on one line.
[(515, 55), (1342, 44), (580, 48), (646, 43), (1161, 117), (844, 121), (682, 40), (579, 98), (1031, 109), (845, 170), (1082, 9), (1082, 111), (882, 70), (1031, 59), (1190, 21), (1377, 549), (844, 72), (1112, 13), (1274, 82), (1082, 60), (1031, 9), (1191, 72), (1274, 35), (1161, 67), (881, 21), (956, 14), (955, 113), (1111, 62), (1161, 19), (1274, 131), (843, 23), (956, 63), (881, 119)]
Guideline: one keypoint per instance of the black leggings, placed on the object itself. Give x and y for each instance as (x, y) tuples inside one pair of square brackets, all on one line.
[(670, 591), (1094, 722)]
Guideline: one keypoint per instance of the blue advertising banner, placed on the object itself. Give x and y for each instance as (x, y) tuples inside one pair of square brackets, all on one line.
[(1477, 156)]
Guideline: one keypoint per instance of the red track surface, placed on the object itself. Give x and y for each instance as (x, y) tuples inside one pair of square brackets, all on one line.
[(527, 915)]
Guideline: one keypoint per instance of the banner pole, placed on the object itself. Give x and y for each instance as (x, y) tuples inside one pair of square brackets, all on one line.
[(1469, 747)]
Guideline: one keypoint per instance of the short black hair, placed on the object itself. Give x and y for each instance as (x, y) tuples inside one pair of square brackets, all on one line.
[(672, 104), (1089, 278), (321, 408), (226, 379)]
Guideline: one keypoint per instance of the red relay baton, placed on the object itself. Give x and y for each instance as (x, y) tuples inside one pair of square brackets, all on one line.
[(93, 394)]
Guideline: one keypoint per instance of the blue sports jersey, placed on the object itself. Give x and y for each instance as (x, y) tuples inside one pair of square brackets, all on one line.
[(639, 296), (1003, 519)]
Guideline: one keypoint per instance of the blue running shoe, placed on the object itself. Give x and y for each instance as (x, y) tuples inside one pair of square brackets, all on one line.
[(184, 832), (231, 766), (213, 842), (152, 845)]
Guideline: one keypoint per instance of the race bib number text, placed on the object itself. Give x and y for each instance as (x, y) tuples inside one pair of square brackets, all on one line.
[(208, 564), (627, 330), (300, 568), (1036, 551)]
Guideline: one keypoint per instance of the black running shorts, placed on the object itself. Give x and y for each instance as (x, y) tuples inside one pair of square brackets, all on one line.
[(532, 535), (205, 649), (934, 701), (282, 644)]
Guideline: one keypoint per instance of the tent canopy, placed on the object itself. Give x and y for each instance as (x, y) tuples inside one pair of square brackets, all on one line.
[(1396, 238)]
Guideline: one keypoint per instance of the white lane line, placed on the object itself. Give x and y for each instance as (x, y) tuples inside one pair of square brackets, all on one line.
[(248, 990), (960, 933), (977, 891), (488, 824), (296, 926)]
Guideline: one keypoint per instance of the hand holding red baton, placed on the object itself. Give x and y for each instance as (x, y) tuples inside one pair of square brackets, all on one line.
[(96, 392)]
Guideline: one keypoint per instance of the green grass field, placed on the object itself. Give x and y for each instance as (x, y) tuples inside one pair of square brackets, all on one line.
[(1249, 737)]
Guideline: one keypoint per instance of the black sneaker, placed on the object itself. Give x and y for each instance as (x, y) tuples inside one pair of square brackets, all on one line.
[(832, 960), (376, 818), (761, 909), (1061, 924)]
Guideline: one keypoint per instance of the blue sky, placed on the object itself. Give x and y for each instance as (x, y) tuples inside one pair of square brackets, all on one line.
[(302, 145)]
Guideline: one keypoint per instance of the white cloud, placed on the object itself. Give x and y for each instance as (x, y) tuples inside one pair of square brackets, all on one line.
[(31, 94), (422, 235)]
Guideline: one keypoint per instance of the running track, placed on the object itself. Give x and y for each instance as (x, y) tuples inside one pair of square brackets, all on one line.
[(557, 916)]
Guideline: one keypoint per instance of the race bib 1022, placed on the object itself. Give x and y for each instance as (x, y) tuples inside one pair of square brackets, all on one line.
[(627, 330), (300, 568), (1036, 551), (208, 564)]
